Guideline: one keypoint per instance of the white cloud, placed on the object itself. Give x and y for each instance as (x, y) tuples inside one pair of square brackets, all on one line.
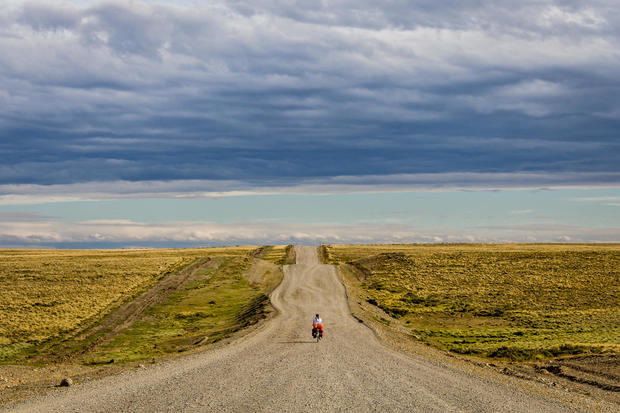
[(587, 18), (108, 222), (613, 201), (133, 233), (597, 198), (522, 211)]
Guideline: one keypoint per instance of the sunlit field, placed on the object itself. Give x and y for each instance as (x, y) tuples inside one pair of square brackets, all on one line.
[(512, 301), (279, 254), (52, 293), (217, 301)]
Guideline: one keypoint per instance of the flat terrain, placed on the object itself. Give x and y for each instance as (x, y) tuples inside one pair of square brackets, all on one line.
[(50, 295), (548, 313), (516, 302), (280, 368), (144, 306)]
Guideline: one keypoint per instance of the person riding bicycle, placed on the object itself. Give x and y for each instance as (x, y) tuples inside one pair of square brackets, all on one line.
[(317, 326)]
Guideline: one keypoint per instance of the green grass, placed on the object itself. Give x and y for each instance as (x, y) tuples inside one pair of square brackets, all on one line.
[(48, 293), (518, 302), (218, 303), (279, 254), (50, 296)]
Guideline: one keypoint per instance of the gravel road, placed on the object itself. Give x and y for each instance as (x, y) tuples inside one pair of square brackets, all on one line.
[(279, 367)]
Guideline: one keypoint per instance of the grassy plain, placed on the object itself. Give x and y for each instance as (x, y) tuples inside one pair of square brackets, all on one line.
[(51, 295), (511, 301), (279, 254), (219, 300)]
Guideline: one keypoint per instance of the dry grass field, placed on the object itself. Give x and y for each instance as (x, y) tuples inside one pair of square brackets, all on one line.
[(52, 293), (87, 314), (516, 302), (225, 295), (279, 254)]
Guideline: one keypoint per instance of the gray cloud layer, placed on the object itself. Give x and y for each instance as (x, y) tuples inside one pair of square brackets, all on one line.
[(36, 194), (278, 93)]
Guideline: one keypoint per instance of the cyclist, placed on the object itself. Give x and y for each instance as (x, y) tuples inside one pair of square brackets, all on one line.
[(317, 326)]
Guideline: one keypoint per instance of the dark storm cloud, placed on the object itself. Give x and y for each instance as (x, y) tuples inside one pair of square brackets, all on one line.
[(271, 92)]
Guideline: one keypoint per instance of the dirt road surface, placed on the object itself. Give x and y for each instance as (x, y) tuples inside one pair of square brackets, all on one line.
[(280, 368)]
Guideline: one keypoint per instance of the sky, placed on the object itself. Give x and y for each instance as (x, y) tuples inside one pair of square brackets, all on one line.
[(187, 123)]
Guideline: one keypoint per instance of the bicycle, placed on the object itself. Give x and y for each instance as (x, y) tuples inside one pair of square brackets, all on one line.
[(317, 333)]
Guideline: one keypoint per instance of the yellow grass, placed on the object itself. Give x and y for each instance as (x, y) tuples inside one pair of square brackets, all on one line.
[(279, 254), (218, 302), (514, 301), (46, 293)]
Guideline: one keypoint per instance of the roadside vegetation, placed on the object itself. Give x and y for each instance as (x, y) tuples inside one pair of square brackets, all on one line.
[(279, 254), (219, 300), (123, 305), (515, 302), (49, 293)]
